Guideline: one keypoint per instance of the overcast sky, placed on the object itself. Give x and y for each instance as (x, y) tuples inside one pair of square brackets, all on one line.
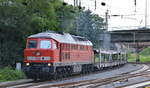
[(132, 17)]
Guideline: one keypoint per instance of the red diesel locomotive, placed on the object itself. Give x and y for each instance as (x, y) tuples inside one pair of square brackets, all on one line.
[(51, 54)]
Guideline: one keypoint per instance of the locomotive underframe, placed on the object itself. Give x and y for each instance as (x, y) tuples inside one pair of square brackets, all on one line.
[(42, 71)]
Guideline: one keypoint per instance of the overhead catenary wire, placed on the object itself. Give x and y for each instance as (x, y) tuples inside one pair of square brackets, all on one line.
[(135, 5), (95, 6)]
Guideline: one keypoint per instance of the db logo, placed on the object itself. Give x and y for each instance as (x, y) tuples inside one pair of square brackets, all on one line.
[(37, 53)]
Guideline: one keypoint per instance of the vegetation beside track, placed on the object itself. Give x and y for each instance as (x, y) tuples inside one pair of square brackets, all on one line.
[(9, 74), (144, 56)]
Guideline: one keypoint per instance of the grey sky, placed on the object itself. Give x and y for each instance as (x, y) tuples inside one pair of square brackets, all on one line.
[(131, 17)]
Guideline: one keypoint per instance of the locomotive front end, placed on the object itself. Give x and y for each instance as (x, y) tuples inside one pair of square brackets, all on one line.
[(39, 57)]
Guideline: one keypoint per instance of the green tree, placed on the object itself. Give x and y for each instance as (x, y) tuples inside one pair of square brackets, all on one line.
[(43, 14), (89, 25), (66, 17), (13, 21)]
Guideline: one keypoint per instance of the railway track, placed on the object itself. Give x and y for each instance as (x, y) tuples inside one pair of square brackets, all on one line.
[(120, 78), (100, 82), (86, 83), (13, 83)]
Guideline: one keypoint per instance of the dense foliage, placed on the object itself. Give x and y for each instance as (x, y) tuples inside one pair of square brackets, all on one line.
[(145, 52), (90, 26), (8, 74), (144, 56), (20, 18)]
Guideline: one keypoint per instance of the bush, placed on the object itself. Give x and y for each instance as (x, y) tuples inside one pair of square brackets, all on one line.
[(145, 52), (144, 56), (8, 74), (131, 57)]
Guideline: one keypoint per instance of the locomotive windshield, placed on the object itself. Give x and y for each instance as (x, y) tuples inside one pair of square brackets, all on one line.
[(32, 44), (45, 44)]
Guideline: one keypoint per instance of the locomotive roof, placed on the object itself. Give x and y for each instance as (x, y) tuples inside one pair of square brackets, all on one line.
[(63, 38)]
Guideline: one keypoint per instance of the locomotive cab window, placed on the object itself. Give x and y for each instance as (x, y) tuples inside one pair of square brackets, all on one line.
[(32, 44), (45, 44), (55, 45)]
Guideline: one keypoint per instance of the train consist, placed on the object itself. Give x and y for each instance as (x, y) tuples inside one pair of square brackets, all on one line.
[(51, 54)]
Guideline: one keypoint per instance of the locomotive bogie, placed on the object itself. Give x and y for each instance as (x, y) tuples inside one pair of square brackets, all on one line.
[(38, 70)]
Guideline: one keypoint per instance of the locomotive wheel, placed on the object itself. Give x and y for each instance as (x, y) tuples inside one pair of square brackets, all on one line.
[(59, 73), (87, 69), (55, 76), (64, 73), (35, 78), (84, 69), (70, 71)]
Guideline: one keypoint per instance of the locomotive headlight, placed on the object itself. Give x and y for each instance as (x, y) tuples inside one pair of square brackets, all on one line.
[(49, 64), (27, 64)]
